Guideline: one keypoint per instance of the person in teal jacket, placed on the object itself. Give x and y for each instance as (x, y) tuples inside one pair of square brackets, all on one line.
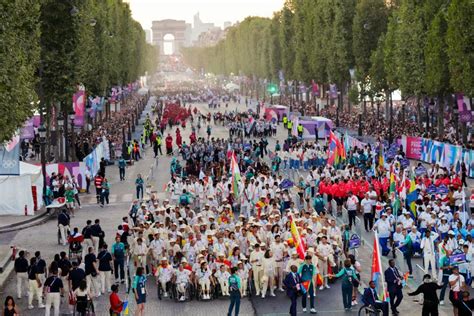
[(318, 203), (234, 290), (349, 279)]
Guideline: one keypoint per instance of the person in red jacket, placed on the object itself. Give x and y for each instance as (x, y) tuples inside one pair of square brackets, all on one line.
[(116, 305), (179, 139), (169, 144)]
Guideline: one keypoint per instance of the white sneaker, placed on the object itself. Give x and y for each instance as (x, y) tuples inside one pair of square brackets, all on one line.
[(165, 294), (321, 288), (327, 286), (281, 290), (272, 294), (30, 307), (263, 295), (182, 299), (354, 303), (313, 311), (41, 306), (304, 310), (441, 303)]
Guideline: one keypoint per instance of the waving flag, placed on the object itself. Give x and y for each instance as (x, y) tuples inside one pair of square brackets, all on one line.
[(297, 238), (236, 178), (381, 157), (377, 273), (125, 308), (336, 150), (412, 196)]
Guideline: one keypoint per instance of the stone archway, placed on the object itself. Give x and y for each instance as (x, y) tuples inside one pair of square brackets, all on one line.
[(177, 28)]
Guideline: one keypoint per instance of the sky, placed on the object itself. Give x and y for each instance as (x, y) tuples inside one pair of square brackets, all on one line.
[(215, 11)]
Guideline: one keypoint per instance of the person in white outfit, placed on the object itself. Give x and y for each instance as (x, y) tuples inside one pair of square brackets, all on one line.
[(269, 272), (429, 255), (204, 278), (223, 278)]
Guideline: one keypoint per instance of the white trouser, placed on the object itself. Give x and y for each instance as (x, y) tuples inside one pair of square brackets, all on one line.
[(243, 288), (34, 290), (205, 285), (280, 273), (105, 280), (267, 283), (323, 269), (21, 281), (427, 260), (163, 283), (63, 231), (181, 287), (257, 278), (55, 300), (93, 285), (95, 242), (224, 287)]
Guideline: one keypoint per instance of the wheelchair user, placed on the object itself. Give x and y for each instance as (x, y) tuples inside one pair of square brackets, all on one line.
[(182, 279), (370, 298), (164, 273), (204, 279)]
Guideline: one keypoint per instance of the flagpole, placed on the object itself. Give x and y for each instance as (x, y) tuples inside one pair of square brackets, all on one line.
[(382, 275)]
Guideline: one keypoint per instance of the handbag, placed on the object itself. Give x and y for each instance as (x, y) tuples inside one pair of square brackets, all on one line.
[(72, 298)]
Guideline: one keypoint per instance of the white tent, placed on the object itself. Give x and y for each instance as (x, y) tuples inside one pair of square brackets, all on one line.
[(23, 193), (232, 87)]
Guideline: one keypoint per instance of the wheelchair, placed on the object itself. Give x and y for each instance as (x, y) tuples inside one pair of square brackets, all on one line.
[(170, 289), (188, 293), (83, 306), (369, 310), (75, 247), (199, 294)]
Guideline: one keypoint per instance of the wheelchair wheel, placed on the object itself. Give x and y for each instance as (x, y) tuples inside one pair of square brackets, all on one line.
[(159, 290), (59, 236), (368, 311)]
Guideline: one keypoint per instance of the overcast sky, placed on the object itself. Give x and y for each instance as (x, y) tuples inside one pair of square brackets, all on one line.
[(215, 11)]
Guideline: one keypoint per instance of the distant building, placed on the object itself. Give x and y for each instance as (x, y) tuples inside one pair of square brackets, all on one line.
[(199, 27), (211, 37), (148, 36), (227, 24)]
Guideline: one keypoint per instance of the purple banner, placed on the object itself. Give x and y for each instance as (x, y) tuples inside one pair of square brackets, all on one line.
[(465, 114), (79, 104), (333, 91), (28, 130)]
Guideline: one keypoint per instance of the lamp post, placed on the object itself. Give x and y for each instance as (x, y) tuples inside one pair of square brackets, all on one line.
[(338, 107), (72, 117), (42, 135), (60, 137)]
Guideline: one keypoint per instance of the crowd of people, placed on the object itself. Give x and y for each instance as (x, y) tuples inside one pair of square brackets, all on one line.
[(238, 213)]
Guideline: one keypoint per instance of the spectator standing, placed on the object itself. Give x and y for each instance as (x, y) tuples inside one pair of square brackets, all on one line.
[(21, 270)]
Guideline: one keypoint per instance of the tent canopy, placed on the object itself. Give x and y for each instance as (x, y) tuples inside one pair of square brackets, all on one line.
[(16, 192)]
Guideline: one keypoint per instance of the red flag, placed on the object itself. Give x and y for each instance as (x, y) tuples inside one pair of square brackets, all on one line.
[(377, 267), (297, 239)]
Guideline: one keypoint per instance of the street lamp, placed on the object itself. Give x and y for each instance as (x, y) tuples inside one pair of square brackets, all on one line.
[(42, 135), (60, 127), (72, 117)]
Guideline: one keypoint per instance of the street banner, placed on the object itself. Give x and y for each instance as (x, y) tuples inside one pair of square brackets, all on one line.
[(413, 147), (10, 157), (79, 104), (315, 89), (465, 114), (333, 91), (28, 130)]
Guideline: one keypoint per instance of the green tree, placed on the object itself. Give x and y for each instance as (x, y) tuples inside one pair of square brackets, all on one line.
[(370, 21), (460, 43), (19, 55)]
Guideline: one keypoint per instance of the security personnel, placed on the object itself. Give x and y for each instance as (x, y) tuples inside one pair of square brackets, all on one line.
[(290, 127), (300, 130), (285, 121)]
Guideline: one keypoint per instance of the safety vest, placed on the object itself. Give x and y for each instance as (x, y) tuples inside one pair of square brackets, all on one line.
[(290, 124), (158, 140), (285, 119), (300, 129)]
